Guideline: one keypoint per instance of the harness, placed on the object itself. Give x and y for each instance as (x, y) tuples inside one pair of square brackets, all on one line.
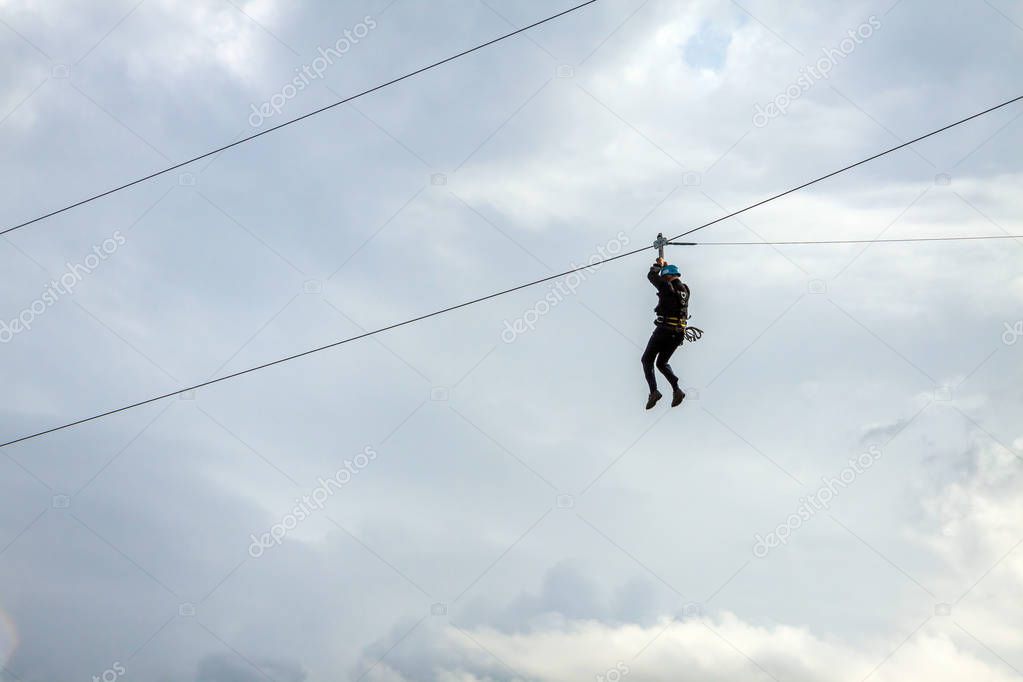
[(680, 325), (674, 323)]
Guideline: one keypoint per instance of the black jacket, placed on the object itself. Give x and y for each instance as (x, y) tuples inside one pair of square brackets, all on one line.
[(672, 297)]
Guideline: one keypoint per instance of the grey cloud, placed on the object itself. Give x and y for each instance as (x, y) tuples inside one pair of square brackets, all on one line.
[(231, 668), (219, 277)]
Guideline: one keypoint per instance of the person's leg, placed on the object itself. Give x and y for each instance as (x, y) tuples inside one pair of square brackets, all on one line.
[(653, 346), (678, 395), (668, 348)]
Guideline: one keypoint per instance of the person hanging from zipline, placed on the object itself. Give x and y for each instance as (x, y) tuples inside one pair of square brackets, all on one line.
[(670, 328)]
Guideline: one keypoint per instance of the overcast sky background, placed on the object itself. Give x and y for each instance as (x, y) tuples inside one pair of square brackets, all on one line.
[(523, 518)]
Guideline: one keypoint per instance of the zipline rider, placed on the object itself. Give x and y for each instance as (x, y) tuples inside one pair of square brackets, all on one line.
[(669, 329)]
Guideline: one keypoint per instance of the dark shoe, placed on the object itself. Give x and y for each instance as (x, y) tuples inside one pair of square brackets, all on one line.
[(677, 398), (652, 400)]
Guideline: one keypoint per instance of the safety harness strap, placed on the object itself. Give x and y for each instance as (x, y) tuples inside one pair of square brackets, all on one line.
[(676, 322)]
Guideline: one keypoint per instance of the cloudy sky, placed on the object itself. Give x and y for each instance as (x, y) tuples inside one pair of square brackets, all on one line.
[(453, 501)]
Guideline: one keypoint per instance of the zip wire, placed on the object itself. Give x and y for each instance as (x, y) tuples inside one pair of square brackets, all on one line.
[(855, 241), (292, 121), (474, 301)]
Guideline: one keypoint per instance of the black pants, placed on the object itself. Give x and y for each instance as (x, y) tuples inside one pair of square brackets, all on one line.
[(662, 344)]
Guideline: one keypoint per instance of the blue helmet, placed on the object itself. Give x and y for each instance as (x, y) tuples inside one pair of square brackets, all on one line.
[(670, 270)]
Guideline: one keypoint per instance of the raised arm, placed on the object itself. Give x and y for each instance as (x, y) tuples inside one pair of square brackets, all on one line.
[(654, 275)]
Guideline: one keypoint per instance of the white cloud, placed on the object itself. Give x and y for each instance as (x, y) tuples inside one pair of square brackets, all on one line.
[(201, 36), (974, 641), (725, 649)]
